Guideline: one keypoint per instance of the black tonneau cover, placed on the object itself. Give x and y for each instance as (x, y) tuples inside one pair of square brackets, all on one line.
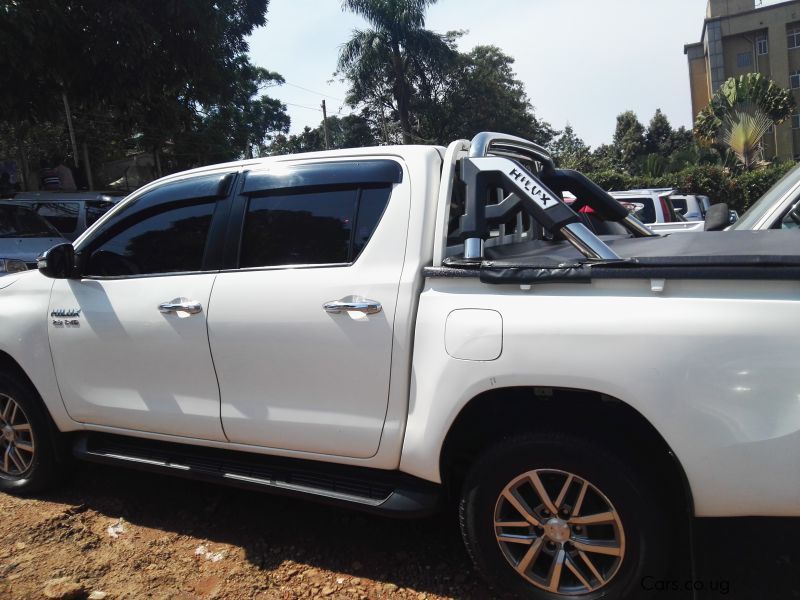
[(773, 254)]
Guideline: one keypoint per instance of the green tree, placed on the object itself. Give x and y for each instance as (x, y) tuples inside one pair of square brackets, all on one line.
[(351, 131), (478, 91), (658, 138), (570, 151), (741, 112), (150, 70), (381, 62), (629, 141)]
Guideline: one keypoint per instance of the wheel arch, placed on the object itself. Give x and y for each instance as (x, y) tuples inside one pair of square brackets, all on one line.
[(9, 364), (498, 413)]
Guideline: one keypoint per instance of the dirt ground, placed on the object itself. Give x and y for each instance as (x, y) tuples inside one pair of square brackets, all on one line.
[(136, 535), (118, 534)]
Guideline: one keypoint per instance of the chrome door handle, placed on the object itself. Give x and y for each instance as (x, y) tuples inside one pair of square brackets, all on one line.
[(362, 305), (181, 305)]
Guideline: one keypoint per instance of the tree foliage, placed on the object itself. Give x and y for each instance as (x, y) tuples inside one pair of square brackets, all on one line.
[(741, 112), (413, 85), (154, 70), (571, 152), (351, 131), (478, 91), (383, 62), (629, 142)]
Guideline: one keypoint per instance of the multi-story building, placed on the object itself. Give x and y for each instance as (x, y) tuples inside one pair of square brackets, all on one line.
[(749, 36)]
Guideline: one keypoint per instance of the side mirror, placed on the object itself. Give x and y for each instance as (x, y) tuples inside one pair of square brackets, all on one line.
[(717, 218), (58, 262), (734, 216)]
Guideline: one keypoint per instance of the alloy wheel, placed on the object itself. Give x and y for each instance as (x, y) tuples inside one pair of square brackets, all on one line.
[(559, 532), (17, 445)]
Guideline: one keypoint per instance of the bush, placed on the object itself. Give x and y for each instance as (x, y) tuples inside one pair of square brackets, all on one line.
[(612, 180), (719, 184), (754, 184)]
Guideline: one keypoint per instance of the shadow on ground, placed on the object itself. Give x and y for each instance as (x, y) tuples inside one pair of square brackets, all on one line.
[(735, 558)]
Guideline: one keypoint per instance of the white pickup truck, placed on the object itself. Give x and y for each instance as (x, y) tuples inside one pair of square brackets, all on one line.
[(392, 328)]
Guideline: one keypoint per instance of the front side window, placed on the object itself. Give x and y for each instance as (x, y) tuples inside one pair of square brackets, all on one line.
[(167, 239), (310, 227)]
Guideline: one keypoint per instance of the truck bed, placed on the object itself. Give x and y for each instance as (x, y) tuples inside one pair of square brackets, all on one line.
[(706, 255)]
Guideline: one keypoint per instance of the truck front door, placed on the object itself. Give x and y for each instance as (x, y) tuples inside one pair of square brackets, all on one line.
[(129, 339)]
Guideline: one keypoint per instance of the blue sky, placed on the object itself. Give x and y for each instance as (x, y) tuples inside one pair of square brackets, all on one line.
[(582, 61)]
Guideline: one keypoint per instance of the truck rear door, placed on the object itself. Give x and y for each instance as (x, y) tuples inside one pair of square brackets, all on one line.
[(301, 325)]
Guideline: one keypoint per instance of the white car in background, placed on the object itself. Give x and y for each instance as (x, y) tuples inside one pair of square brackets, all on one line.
[(24, 235), (692, 207), (654, 208)]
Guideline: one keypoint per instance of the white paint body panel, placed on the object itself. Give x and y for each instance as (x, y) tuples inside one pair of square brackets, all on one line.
[(712, 365), (128, 365), (295, 377), (474, 334)]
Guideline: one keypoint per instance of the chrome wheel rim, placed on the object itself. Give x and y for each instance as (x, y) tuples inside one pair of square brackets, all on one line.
[(559, 532), (17, 446)]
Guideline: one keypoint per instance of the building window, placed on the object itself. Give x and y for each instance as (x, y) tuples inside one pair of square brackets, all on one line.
[(796, 121), (744, 59), (794, 80), (793, 37), (762, 46)]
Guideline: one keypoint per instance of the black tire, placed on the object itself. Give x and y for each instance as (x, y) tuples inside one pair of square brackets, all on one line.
[(45, 470), (645, 522)]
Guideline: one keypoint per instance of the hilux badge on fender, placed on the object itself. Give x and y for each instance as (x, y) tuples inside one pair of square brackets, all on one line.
[(66, 312)]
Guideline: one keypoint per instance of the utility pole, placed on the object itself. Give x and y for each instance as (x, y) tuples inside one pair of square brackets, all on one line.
[(71, 130), (325, 123)]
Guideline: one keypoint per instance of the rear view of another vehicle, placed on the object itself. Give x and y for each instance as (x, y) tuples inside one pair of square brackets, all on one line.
[(71, 213), (24, 235)]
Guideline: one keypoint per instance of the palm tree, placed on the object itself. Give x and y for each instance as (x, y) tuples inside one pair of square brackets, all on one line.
[(740, 114), (392, 49)]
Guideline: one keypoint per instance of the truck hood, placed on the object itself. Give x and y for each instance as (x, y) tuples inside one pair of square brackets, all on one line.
[(7, 280), (27, 249)]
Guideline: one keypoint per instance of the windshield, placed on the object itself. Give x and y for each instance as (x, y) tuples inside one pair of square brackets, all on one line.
[(767, 202), (19, 222)]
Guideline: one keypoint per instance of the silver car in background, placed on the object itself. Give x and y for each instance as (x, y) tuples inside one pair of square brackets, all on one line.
[(24, 236), (71, 213)]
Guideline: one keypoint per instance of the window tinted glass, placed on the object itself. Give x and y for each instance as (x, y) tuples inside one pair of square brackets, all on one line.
[(641, 208), (300, 228), (63, 215), (19, 222), (680, 204), (311, 227), (169, 241), (371, 205), (96, 209)]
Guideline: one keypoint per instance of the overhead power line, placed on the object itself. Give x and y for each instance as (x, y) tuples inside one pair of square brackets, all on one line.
[(300, 87)]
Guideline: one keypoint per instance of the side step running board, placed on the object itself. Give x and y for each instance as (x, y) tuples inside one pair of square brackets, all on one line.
[(390, 493)]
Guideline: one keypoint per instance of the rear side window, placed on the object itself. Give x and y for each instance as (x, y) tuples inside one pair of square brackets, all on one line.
[(680, 204), (641, 208), (62, 215), (168, 240), (311, 227)]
